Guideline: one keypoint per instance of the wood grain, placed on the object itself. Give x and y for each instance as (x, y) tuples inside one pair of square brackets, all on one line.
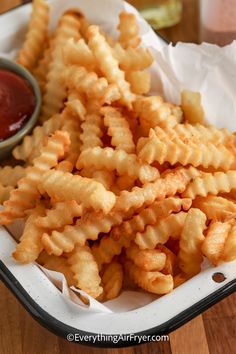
[(220, 326), (195, 331), (188, 29), (8, 4), (212, 333)]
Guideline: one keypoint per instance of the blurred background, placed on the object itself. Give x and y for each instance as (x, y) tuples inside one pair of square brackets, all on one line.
[(171, 18), (194, 21), (179, 14)]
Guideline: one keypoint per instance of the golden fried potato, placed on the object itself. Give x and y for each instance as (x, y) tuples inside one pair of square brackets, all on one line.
[(161, 231), (192, 107), (191, 240), (129, 30), (36, 35), (119, 160), (30, 244), (148, 260), (154, 282), (112, 280), (85, 191), (229, 253), (26, 194), (161, 148), (85, 270), (118, 129), (213, 245), (117, 184), (109, 65)]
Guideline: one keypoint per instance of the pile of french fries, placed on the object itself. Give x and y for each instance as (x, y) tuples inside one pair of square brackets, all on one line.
[(117, 188)]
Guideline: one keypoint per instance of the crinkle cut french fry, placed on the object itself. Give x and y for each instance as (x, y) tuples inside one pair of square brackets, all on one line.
[(150, 215), (229, 253), (191, 240), (41, 70), (112, 280), (65, 166), (31, 145), (102, 176), (172, 226), (5, 192), (9, 176), (112, 244), (25, 195), (91, 131), (121, 171), (30, 244), (153, 282), (55, 148), (90, 84), (211, 183), (153, 111), (197, 131), (171, 264), (202, 154), (129, 30), (213, 244), (73, 128), (85, 269), (78, 53), (75, 105), (148, 260), (217, 208), (108, 247), (117, 160), (84, 25), (174, 182), (36, 35), (93, 106), (109, 65), (132, 59), (192, 107), (140, 81), (83, 230), (142, 141), (193, 134), (61, 215), (68, 27), (118, 129), (85, 191), (177, 112)]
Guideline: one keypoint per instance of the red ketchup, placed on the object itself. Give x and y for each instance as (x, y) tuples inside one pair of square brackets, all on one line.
[(17, 103)]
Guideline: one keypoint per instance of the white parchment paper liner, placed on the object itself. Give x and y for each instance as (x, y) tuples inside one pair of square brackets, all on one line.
[(205, 68)]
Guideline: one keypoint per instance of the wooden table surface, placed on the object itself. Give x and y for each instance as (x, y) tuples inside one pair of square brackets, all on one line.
[(214, 332)]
